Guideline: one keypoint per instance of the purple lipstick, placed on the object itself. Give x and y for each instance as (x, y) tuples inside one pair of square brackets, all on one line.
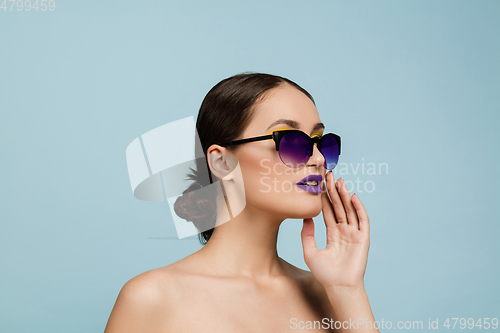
[(311, 183)]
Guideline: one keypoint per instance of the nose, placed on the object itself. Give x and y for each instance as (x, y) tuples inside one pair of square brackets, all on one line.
[(317, 158)]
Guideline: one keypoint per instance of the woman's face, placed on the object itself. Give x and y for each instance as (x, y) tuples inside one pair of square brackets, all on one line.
[(270, 185)]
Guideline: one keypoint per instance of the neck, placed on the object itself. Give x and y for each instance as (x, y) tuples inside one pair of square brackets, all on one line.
[(246, 246)]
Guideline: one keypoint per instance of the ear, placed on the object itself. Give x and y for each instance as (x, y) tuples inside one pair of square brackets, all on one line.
[(221, 163)]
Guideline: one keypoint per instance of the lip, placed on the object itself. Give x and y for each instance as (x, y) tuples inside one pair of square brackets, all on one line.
[(308, 188)]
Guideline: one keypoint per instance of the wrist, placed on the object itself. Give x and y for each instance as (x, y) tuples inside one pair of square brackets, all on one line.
[(348, 291)]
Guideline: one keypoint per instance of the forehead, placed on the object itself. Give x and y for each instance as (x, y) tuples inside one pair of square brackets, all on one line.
[(283, 102)]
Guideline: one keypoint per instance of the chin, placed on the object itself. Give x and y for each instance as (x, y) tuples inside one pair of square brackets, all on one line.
[(306, 208)]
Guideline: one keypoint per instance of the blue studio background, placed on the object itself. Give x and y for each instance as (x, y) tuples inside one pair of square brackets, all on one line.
[(411, 86)]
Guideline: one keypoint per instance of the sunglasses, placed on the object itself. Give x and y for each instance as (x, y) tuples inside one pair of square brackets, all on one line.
[(295, 147)]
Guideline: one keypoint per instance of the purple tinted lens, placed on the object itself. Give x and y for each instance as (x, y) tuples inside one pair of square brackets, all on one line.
[(294, 149), (330, 151)]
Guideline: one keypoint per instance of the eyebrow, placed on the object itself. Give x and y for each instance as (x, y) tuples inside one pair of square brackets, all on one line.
[(294, 124)]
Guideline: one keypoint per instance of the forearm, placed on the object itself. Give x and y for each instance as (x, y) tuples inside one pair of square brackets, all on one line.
[(351, 305)]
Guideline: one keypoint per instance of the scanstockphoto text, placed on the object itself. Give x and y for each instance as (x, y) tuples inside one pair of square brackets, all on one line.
[(429, 324), (359, 177)]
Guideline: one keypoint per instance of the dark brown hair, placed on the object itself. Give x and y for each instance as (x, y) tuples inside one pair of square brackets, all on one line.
[(225, 113)]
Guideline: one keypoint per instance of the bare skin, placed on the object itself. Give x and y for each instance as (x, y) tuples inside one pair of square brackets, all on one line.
[(182, 297), (237, 282)]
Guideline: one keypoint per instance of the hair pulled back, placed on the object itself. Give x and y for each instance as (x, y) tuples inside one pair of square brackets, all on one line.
[(224, 114)]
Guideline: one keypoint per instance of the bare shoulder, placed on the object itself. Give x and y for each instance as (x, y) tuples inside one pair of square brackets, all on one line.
[(145, 301)]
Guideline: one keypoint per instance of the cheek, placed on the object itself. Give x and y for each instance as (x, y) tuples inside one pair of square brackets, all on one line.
[(258, 176), (270, 185), (257, 167)]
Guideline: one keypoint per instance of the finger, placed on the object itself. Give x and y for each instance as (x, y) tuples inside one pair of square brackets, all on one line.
[(338, 207), (308, 241), (327, 206), (364, 220), (332, 228), (352, 218)]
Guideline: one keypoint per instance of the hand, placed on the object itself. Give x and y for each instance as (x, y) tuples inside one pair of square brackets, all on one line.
[(342, 263)]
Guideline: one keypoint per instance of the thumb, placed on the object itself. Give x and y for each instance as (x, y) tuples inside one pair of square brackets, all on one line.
[(308, 241)]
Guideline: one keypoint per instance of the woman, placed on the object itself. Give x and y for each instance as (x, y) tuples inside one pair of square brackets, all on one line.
[(237, 282)]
